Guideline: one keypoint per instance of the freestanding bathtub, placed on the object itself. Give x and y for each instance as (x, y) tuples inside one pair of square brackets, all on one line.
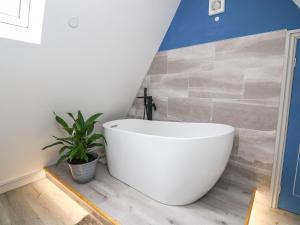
[(171, 162)]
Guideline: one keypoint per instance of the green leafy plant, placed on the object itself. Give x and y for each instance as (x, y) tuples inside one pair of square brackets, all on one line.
[(77, 147)]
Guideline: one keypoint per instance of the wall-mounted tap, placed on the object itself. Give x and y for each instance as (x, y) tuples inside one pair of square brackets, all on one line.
[(148, 105)]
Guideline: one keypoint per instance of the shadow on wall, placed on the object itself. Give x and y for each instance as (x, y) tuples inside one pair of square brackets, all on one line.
[(235, 82)]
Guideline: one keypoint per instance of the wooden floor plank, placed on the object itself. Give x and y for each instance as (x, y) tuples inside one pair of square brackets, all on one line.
[(49, 213), (262, 214), (5, 216), (224, 204), (100, 214), (23, 213), (40, 203), (66, 208)]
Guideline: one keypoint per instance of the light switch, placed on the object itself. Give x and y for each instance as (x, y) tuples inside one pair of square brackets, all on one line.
[(216, 7)]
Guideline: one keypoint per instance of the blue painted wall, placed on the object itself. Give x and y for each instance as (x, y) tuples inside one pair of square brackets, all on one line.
[(192, 25)]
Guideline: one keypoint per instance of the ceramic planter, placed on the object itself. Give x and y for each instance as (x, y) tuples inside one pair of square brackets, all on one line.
[(84, 173)]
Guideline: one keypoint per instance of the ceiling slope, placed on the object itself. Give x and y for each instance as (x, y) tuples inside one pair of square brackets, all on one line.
[(96, 67), (297, 2)]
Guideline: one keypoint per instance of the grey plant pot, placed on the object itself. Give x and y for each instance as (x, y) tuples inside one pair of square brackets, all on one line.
[(84, 173)]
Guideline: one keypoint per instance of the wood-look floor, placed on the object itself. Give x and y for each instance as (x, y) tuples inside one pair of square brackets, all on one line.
[(225, 204), (43, 203), (39, 203), (262, 214)]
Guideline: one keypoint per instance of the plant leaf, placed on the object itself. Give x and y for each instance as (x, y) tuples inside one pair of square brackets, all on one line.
[(61, 159), (81, 137), (78, 126), (86, 158), (91, 120), (95, 145), (63, 124), (71, 115), (66, 140), (73, 153), (103, 137), (63, 149), (95, 137), (90, 129), (56, 143), (80, 119)]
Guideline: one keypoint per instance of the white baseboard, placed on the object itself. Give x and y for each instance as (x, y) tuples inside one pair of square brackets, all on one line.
[(21, 181)]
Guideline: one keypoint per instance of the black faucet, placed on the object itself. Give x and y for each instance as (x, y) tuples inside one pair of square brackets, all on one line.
[(148, 105)]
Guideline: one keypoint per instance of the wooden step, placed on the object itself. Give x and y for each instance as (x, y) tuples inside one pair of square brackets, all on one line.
[(101, 215)]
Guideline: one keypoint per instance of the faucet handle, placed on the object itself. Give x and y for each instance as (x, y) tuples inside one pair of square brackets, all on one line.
[(154, 106)]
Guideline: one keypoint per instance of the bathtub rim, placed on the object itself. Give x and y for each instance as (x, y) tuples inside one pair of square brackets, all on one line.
[(231, 130)]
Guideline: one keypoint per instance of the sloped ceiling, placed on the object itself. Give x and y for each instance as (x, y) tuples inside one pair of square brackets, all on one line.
[(97, 67), (297, 2)]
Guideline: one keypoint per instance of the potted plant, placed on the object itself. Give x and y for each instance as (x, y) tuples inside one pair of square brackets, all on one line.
[(77, 149)]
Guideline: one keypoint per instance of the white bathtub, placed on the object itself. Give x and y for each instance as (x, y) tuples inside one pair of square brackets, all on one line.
[(173, 163)]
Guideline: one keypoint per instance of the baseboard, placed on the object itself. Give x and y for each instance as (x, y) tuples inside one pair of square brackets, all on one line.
[(21, 181)]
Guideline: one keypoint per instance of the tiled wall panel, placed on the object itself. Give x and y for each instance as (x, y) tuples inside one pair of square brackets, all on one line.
[(236, 82)]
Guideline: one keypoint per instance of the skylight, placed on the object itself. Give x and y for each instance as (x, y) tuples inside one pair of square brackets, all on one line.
[(22, 20), (11, 8)]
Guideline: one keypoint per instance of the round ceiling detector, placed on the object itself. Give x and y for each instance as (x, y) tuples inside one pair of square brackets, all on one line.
[(74, 22)]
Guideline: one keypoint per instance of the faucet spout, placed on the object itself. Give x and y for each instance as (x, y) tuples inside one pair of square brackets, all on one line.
[(149, 105)]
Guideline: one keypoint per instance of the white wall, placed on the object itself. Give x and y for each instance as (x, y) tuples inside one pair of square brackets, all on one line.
[(97, 67)]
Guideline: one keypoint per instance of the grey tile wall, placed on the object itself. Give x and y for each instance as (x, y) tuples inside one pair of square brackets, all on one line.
[(236, 82)]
